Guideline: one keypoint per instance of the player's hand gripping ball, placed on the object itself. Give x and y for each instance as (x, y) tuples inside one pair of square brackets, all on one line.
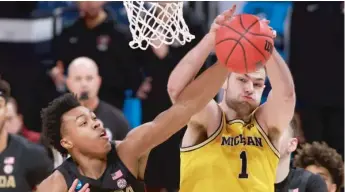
[(244, 43)]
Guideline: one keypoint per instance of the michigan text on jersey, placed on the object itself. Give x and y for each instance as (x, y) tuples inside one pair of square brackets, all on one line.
[(240, 139)]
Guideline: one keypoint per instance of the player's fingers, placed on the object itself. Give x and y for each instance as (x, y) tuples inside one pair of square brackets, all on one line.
[(230, 12), (74, 185), (219, 19), (266, 21)]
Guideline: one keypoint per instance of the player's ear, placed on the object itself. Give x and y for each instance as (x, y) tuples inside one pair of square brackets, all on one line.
[(99, 81), (65, 143), (293, 145)]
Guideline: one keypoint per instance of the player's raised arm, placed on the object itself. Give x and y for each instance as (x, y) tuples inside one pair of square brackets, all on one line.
[(191, 100), (189, 66), (278, 111), (186, 70)]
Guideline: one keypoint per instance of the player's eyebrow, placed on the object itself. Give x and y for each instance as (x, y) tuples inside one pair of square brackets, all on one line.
[(74, 117), (255, 78)]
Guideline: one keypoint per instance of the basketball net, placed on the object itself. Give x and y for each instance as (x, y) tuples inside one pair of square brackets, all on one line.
[(156, 23)]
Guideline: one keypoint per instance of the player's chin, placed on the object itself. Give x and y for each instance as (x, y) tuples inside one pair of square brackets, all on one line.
[(103, 144)]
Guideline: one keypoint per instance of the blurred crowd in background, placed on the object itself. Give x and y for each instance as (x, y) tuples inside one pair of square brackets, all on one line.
[(49, 48)]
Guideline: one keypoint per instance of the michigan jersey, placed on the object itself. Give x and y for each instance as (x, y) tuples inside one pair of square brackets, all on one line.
[(237, 157)]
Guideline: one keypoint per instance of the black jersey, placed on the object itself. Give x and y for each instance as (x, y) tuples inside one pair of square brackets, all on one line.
[(23, 165), (116, 177), (301, 180)]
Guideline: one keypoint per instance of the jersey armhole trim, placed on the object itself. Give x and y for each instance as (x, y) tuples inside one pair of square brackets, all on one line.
[(264, 135), (116, 155), (208, 140)]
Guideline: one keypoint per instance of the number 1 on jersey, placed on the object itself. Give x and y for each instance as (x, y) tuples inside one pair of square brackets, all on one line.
[(243, 174)]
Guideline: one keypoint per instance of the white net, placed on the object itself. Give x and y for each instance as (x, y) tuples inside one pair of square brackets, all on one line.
[(156, 23)]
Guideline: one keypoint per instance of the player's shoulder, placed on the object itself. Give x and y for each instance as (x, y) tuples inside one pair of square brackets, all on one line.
[(313, 182), (27, 146), (54, 183), (316, 183)]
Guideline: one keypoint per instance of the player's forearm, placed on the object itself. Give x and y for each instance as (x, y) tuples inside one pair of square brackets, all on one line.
[(189, 66), (191, 100), (203, 89), (280, 77)]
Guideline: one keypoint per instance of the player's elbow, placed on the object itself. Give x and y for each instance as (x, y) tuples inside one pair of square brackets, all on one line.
[(172, 91), (290, 95), (287, 93)]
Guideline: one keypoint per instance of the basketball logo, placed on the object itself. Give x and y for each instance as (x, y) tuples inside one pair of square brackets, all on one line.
[(122, 183), (268, 47)]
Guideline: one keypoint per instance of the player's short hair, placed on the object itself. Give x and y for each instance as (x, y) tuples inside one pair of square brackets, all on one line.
[(321, 154), (293, 128), (5, 89), (51, 119)]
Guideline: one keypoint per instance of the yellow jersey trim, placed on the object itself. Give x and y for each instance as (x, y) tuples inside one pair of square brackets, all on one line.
[(208, 140), (264, 135)]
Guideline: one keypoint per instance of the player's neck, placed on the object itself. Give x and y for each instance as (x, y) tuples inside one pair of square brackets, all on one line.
[(93, 22), (91, 167), (230, 113), (283, 169), (91, 104), (3, 139)]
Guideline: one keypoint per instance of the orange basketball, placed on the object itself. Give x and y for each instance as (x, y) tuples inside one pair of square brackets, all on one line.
[(244, 44)]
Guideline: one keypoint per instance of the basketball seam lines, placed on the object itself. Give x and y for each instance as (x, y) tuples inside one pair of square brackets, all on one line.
[(242, 36), (241, 23), (247, 41), (237, 42), (244, 56)]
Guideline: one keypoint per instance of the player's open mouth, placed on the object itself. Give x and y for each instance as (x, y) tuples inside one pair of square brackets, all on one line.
[(104, 135)]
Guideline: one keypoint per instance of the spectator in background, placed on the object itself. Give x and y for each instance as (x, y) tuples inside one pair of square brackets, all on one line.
[(83, 79), (14, 122), (317, 49), (97, 35), (25, 164), (320, 159), (294, 179)]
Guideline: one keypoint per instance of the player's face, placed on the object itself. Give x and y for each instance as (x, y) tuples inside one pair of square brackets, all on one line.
[(244, 91), (14, 121), (83, 132), (90, 9), (325, 175), (83, 80), (3, 110)]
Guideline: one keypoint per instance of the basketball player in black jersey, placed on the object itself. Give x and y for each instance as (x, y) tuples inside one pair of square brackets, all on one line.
[(101, 166), (23, 164), (294, 178)]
